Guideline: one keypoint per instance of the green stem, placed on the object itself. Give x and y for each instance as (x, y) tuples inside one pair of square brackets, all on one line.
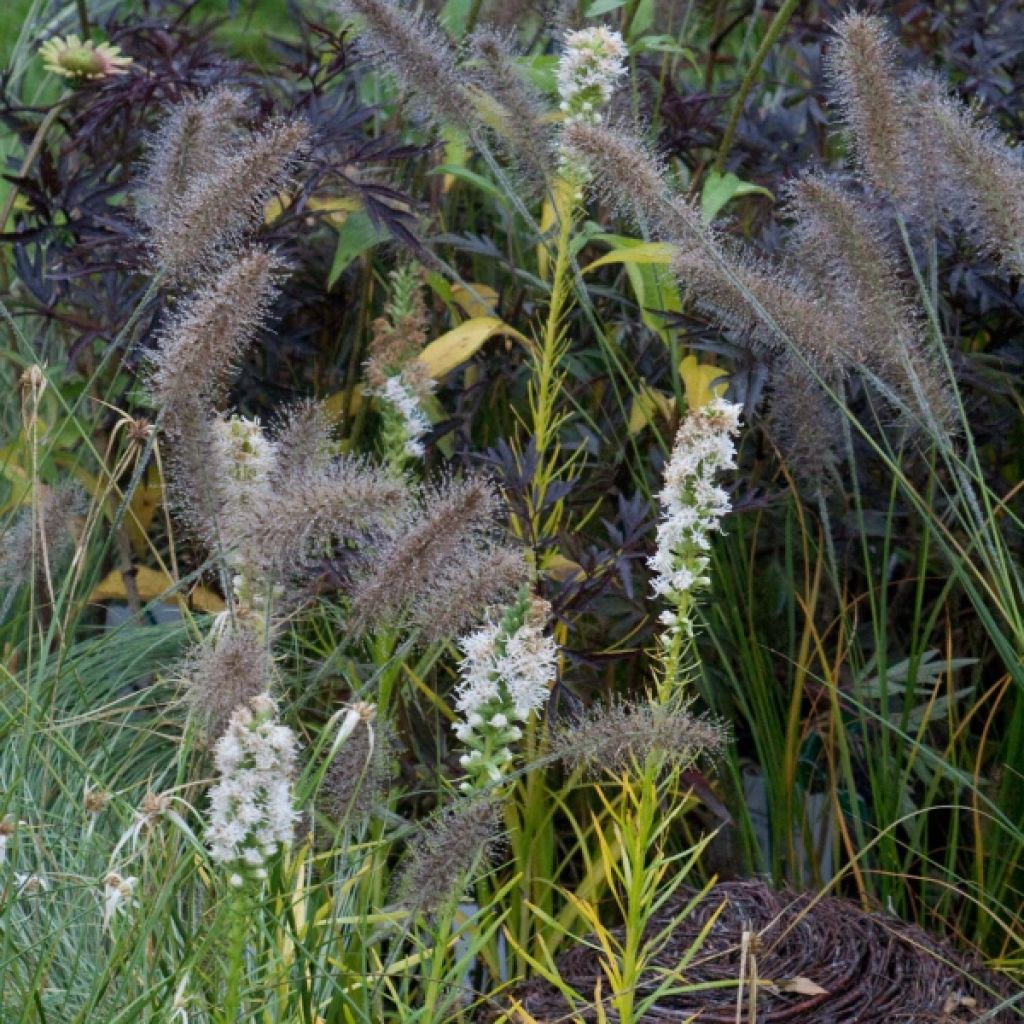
[(238, 911), (779, 22)]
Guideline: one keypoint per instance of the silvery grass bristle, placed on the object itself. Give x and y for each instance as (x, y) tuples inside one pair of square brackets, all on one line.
[(454, 846), (222, 673), (443, 540), (624, 736), (301, 442), (197, 226), (418, 52)]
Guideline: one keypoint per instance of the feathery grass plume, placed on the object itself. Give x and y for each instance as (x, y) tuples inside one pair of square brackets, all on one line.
[(222, 206), (419, 53), (983, 183), (448, 531), (735, 287), (301, 442), (251, 813), (836, 235), (520, 129), (356, 782), (323, 506), (196, 135), (466, 588), (223, 673), (625, 735), (862, 69), (629, 178), (453, 847), (42, 538), (198, 350)]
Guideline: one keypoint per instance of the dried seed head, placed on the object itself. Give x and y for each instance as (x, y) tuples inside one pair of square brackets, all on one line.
[(418, 53), (454, 846), (630, 179), (443, 537), (302, 443), (220, 207), (224, 673), (624, 736), (865, 83)]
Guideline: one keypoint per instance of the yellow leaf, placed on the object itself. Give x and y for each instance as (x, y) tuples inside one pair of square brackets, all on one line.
[(645, 252), (145, 501), (475, 299), (337, 208), (564, 195), (647, 406), (152, 584), (562, 569), (335, 405), (443, 354), (699, 380)]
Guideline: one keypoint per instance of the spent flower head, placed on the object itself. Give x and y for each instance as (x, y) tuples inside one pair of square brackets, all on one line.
[(74, 58)]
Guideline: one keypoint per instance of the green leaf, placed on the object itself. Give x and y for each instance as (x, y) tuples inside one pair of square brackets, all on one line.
[(471, 177), (357, 235), (720, 189), (599, 7)]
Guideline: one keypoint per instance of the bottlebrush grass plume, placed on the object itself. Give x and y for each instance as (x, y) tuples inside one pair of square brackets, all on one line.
[(983, 183), (447, 533), (836, 234), (322, 507), (195, 136), (43, 537), (862, 68), (302, 442), (356, 782), (222, 674), (198, 351), (522, 133), (626, 735), (628, 177), (208, 223), (418, 53), (452, 848)]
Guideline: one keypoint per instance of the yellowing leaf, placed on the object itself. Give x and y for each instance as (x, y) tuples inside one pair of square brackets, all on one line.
[(443, 354), (475, 299), (648, 404), (336, 404), (152, 584), (699, 380), (145, 501), (561, 568), (564, 195), (644, 252), (337, 208)]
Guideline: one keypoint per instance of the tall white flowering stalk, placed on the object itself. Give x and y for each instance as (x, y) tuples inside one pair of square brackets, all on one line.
[(251, 811), (506, 669), (693, 505), (593, 61)]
